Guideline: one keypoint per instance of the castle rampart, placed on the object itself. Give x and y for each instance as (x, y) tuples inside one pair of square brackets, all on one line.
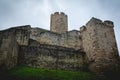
[(51, 57), (62, 48)]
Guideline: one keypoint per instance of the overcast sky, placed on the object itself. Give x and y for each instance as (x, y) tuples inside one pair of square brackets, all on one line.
[(37, 13)]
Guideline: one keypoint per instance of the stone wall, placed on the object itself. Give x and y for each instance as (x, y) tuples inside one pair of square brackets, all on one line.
[(8, 50), (22, 34), (61, 49), (89, 39), (100, 45), (59, 23), (51, 57), (69, 39), (9, 41)]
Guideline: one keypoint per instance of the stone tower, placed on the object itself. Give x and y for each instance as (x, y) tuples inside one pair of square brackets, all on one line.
[(99, 43), (59, 22)]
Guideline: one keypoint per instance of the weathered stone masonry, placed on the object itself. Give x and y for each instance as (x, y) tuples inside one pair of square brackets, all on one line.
[(51, 57), (8, 50), (40, 48), (59, 48), (99, 43), (69, 39)]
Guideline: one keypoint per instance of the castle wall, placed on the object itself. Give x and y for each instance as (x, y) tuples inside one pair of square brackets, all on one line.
[(89, 39), (8, 50), (60, 49), (9, 41), (100, 45), (59, 23), (69, 39), (51, 57), (50, 38), (106, 40), (44, 36), (22, 34)]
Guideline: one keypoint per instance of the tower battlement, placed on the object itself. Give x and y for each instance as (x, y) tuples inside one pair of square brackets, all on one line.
[(94, 21), (109, 23), (83, 28), (58, 14)]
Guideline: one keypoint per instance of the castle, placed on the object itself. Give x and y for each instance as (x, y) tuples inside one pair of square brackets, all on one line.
[(93, 46)]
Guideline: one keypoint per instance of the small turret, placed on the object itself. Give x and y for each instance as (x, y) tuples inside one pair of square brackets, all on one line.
[(93, 21), (109, 23), (56, 13), (83, 28)]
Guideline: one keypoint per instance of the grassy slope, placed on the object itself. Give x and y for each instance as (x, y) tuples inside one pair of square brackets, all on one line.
[(27, 73)]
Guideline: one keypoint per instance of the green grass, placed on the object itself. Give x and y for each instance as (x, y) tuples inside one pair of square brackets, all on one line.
[(27, 73)]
